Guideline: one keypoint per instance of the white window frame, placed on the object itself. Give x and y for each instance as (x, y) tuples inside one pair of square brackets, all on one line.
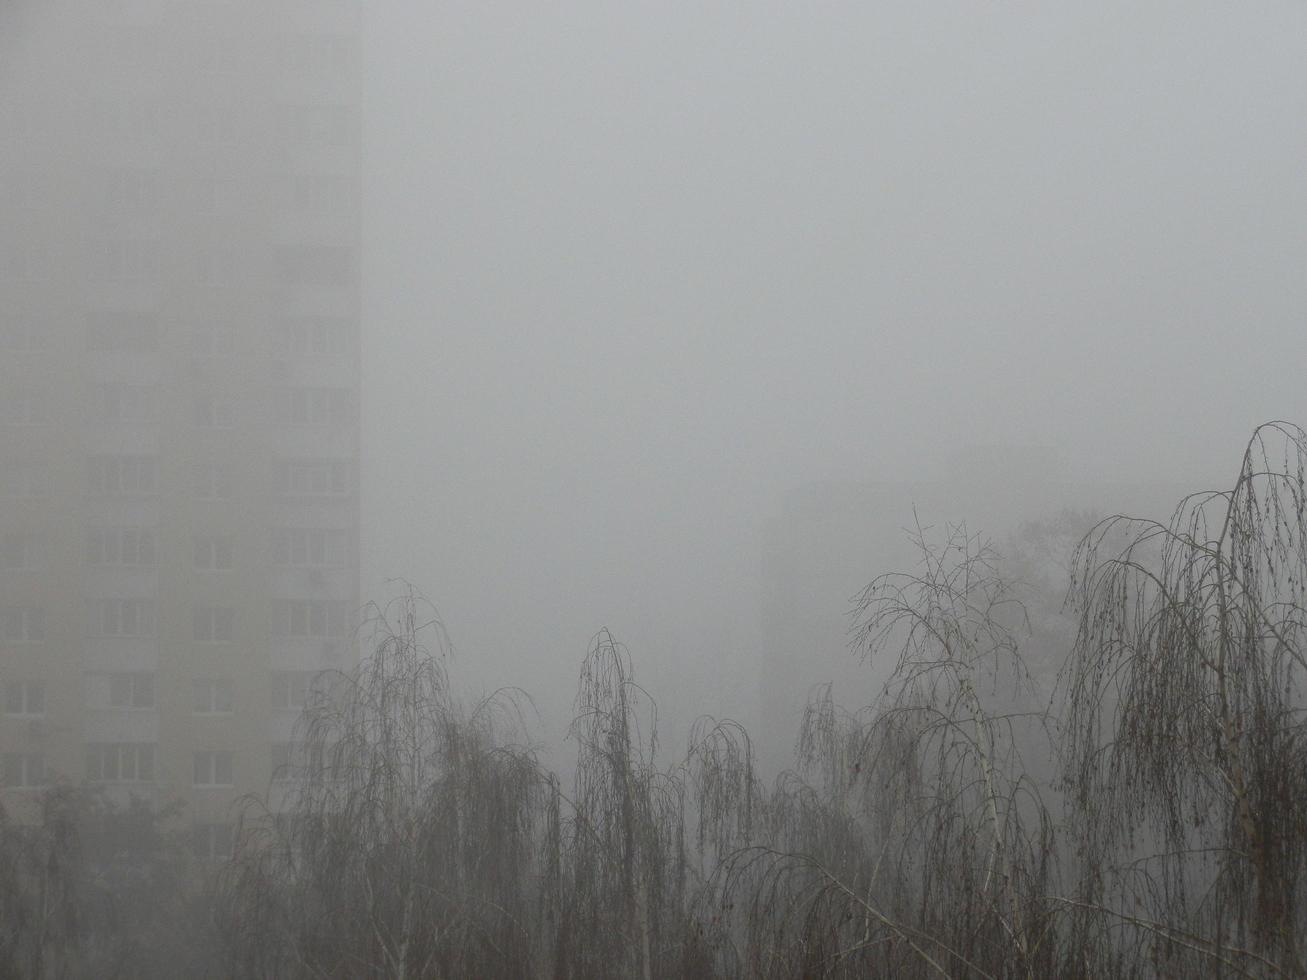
[(25, 699), (213, 624), (22, 624), (213, 768), (21, 550), (310, 618), (310, 547), (24, 480), (213, 552), (212, 481), (132, 690), (121, 403), (29, 767), (208, 694), (123, 476), (133, 547), (120, 762), (131, 618)]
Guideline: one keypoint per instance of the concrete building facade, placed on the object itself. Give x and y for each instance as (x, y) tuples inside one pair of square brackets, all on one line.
[(179, 392)]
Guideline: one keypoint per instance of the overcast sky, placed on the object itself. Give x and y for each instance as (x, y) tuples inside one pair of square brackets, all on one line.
[(634, 270)]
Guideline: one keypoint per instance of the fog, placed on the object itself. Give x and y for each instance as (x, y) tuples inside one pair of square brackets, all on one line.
[(635, 273), (660, 329), (635, 276)]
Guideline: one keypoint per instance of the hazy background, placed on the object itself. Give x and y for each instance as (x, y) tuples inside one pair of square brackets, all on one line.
[(634, 271)]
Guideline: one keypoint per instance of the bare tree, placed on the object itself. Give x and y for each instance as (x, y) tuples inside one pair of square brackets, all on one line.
[(626, 853), (909, 842), (408, 839), (1184, 724)]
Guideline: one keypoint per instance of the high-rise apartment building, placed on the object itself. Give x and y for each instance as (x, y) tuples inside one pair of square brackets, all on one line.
[(179, 390)]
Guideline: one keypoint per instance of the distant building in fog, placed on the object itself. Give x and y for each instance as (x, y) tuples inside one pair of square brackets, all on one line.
[(179, 394)]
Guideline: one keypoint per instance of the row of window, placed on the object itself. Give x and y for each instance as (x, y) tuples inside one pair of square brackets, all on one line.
[(134, 762), (130, 546), (128, 475), (325, 55), (142, 333), (121, 403), (143, 260), (145, 191), (210, 45), (137, 547), (21, 550), (136, 618), (24, 335), (289, 690), (225, 123)]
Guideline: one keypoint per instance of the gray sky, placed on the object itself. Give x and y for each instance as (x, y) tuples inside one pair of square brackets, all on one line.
[(634, 270)]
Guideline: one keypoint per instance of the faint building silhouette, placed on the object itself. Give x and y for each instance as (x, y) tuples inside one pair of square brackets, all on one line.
[(180, 381)]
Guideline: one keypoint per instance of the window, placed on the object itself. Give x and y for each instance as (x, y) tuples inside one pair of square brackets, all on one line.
[(120, 762), (212, 195), (308, 547), (314, 335), (312, 406), (21, 549), (25, 698), (123, 332), (213, 624), (127, 260), (213, 696), (318, 54), (124, 617), (131, 690), (317, 265), (213, 768), (217, 53), (133, 546), (291, 689), (22, 624), (120, 475), (23, 406), (213, 552), (212, 481), (24, 479), (214, 412), (215, 123), (314, 477), (213, 337), (24, 769), (310, 617), (317, 194), (323, 125), (215, 266), (212, 841), (131, 120), (24, 335), (28, 188), (129, 46), (132, 190), (32, 261), (124, 403)]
